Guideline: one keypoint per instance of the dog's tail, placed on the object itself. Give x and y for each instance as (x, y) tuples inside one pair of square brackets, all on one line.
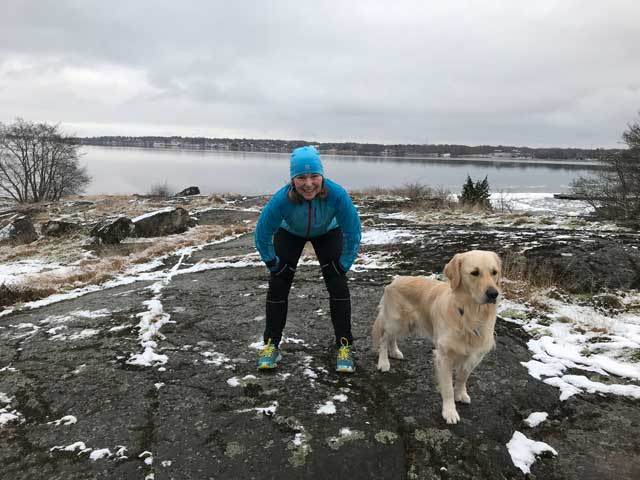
[(378, 329)]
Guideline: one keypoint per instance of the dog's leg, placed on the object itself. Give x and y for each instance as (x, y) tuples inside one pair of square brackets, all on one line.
[(444, 373), (462, 376), (460, 389), (383, 353), (394, 351)]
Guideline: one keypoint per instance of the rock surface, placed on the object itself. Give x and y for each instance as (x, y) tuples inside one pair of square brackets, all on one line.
[(58, 228), (18, 229), (188, 192), (207, 413), (112, 230), (163, 222), (590, 266)]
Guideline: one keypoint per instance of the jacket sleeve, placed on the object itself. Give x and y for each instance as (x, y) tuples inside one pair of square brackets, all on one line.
[(349, 221), (268, 222)]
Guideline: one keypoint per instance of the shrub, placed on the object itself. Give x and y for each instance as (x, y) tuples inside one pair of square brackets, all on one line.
[(161, 190), (476, 194), (416, 191), (504, 202), (614, 192)]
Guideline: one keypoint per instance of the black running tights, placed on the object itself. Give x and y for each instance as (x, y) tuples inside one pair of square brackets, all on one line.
[(328, 248)]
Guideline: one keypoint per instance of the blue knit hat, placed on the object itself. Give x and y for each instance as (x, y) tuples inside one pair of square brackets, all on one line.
[(305, 160)]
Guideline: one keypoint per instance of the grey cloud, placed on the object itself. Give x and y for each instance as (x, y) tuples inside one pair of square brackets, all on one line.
[(559, 72)]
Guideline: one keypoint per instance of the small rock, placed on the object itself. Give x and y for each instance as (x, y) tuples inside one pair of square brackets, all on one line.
[(19, 230), (188, 192), (58, 228), (163, 222), (113, 230)]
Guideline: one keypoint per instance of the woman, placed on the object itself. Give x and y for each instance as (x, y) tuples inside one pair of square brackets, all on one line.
[(310, 208)]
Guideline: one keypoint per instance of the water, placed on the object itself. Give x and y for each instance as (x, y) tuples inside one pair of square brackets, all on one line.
[(136, 170)]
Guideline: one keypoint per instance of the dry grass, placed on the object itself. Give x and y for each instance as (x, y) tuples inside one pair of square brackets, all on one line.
[(470, 208), (17, 252), (198, 236), (107, 263), (92, 273), (10, 295), (134, 205), (66, 247), (522, 220), (412, 191), (117, 250), (414, 195), (89, 265), (63, 250), (37, 286), (523, 283), (112, 205)]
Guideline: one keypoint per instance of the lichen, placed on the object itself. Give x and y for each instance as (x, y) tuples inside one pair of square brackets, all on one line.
[(233, 448), (336, 442), (300, 449), (386, 437), (515, 314), (433, 437)]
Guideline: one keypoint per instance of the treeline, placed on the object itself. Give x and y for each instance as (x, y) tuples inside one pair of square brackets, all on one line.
[(349, 148)]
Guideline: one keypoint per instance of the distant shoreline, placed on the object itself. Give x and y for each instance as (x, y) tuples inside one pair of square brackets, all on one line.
[(380, 158)]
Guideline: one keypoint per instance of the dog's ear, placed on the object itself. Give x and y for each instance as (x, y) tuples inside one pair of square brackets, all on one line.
[(499, 264), (452, 271)]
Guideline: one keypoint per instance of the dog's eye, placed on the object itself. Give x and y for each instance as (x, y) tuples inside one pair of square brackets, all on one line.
[(475, 273), (494, 272)]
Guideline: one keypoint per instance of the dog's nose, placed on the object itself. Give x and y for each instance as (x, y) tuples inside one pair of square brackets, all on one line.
[(492, 293)]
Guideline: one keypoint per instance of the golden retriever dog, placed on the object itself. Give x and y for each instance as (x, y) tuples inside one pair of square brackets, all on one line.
[(458, 317)]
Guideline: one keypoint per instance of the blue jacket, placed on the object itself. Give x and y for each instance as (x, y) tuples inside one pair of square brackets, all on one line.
[(310, 219)]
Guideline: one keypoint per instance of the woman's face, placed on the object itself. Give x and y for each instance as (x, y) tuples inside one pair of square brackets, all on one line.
[(308, 185)]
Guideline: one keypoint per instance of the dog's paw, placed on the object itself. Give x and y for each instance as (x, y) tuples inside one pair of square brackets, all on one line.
[(463, 397), (450, 415), (384, 366), (397, 354)]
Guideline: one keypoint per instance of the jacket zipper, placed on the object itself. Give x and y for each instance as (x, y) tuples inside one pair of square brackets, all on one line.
[(309, 221)]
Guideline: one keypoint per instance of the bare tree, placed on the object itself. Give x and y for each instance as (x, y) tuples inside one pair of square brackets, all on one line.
[(38, 162), (614, 192)]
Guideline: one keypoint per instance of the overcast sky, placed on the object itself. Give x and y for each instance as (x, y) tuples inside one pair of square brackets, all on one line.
[(533, 73)]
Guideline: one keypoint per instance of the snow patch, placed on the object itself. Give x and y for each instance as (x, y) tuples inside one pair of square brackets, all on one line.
[(66, 420), (523, 451), (328, 408), (100, 453), (536, 418), (374, 236)]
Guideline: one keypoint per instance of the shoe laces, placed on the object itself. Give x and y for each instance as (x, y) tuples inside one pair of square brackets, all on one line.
[(344, 352), (268, 349)]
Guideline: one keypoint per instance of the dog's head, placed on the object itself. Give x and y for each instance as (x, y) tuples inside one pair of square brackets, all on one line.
[(477, 273)]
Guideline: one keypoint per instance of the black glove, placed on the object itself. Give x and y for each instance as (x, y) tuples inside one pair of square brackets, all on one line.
[(272, 264)]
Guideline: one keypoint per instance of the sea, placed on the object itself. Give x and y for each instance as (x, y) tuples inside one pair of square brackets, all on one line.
[(116, 170)]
